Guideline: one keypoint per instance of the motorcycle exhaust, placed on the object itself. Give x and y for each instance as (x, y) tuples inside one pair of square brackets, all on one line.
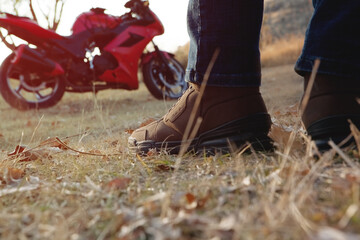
[(28, 58)]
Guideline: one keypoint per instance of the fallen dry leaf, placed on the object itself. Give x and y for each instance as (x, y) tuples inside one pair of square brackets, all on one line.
[(164, 168), (18, 149), (151, 153), (118, 183), (192, 202), (143, 124), (8, 174), (352, 178), (279, 135), (146, 122), (190, 198), (44, 149), (54, 123), (35, 154), (53, 142), (129, 130), (202, 201)]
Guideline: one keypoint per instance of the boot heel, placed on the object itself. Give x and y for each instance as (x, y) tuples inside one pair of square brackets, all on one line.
[(335, 128)]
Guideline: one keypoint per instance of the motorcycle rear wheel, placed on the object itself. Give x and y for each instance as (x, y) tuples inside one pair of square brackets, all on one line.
[(164, 80), (25, 90)]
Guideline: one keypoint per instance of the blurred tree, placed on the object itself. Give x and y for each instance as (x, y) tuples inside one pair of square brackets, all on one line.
[(181, 54), (48, 13)]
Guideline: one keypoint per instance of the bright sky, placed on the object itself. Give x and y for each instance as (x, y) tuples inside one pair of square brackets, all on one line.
[(172, 13)]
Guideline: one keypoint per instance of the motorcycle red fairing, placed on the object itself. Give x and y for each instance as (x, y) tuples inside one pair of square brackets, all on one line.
[(30, 31), (27, 29), (127, 48), (120, 42)]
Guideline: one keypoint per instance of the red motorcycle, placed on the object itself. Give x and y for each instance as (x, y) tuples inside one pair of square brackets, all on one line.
[(104, 52)]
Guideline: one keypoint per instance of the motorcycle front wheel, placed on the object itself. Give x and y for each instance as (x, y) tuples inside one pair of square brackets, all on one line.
[(164, 80), (25, 90)]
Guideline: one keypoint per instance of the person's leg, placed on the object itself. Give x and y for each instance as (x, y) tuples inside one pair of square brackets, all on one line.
[(233, 27), (231, 109), (332, 38)]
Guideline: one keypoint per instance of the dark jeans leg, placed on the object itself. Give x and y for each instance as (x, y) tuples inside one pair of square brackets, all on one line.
[(333, 37), (233, 26)]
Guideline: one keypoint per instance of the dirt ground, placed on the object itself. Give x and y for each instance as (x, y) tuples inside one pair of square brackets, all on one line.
[(281, 86), (92, 188), (114, 111)]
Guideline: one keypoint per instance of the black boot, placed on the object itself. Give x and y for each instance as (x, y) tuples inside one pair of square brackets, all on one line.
[(333, 102)]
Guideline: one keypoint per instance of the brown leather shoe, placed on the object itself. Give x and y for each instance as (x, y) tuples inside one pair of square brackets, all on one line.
[(333, 102), (228, 116)]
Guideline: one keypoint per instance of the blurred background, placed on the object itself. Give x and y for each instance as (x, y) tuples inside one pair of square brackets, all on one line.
[(282, 33), (171, 13)]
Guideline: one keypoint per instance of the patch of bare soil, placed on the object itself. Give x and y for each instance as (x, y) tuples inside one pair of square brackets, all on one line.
[(281, 87)]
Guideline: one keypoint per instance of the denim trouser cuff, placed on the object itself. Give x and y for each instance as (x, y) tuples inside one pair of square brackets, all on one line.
[(333, 67), (233, 28), (332, 38)]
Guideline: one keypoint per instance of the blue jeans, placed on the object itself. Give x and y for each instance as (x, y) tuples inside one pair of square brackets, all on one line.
[(233, 27)]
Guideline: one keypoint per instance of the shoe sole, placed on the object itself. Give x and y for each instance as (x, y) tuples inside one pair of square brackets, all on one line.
[(229, 137), (335, 128)]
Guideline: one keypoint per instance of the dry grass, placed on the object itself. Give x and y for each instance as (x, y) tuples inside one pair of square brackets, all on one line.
[(55, 193), (281, 51), (274, 52), (182, 54)]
